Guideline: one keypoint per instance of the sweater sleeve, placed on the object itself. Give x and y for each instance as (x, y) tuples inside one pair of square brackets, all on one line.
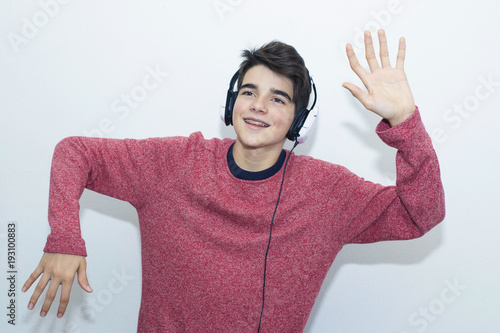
[(120, 168), (412, 207)]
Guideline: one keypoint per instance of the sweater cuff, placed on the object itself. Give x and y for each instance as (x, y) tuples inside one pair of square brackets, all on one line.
[(411, 131), (65, 246)]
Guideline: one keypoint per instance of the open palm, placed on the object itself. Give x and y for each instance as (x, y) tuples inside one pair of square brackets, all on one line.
[(389, 94)]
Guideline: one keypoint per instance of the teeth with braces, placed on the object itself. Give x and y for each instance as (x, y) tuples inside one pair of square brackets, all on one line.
[(253, 122)]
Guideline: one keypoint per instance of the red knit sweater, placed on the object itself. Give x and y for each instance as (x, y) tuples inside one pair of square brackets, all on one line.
[(204, 232)]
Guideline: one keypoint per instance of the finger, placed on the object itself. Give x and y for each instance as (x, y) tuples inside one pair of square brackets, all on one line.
[(82, 278), (49, 297), (384, 51), (354, 63), (359, 94), (63, 303), (40, 287), (369, 52), (32, 278), (401, 53)]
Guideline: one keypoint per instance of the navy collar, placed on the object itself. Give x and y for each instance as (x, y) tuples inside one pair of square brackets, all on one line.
[(251, 175)]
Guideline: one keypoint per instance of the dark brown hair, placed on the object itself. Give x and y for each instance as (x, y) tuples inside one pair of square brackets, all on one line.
[(284, 60)]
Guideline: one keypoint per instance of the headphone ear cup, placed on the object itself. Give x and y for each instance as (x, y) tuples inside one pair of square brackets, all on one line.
[(305, 120), (308, 125), (231, 100), (293, 132)]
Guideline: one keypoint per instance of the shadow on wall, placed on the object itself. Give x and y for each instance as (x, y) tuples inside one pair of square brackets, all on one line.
[(401, 253), (391, 252), (365, 132), (108, 206)]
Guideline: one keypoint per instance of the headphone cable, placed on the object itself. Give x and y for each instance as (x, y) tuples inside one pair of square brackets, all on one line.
[(270, 234)]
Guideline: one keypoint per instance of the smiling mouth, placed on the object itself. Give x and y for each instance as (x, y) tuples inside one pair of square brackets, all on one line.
[(256, 123)]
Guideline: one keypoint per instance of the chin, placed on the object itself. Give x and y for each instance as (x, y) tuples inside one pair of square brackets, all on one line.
[(256, 143)]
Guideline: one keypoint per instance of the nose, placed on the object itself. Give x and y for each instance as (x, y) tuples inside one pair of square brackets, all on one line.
[(259, 105)]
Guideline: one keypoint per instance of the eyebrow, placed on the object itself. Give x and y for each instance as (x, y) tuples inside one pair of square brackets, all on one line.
[(273, 90)]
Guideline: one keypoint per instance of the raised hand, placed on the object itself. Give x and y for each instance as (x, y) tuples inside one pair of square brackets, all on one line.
[(59, 269), (389, 94)]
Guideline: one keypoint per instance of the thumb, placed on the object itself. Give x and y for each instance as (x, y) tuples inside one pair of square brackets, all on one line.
[(358, 93), (82, 278)]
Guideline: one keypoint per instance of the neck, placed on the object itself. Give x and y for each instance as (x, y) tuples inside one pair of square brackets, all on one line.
[(255, 159)]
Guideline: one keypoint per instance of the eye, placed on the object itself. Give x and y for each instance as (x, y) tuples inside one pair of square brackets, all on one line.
[(277, 100), (247, 93)]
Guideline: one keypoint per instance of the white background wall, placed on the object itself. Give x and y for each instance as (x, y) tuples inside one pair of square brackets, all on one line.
[(67, 67)]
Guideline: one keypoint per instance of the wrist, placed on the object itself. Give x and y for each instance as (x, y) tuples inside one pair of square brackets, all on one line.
[(401, 117)]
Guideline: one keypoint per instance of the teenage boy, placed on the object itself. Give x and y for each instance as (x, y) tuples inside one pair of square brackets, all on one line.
[(205, 207)]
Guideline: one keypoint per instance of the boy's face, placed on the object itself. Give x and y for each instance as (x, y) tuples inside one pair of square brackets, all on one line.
[(263, 111)]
